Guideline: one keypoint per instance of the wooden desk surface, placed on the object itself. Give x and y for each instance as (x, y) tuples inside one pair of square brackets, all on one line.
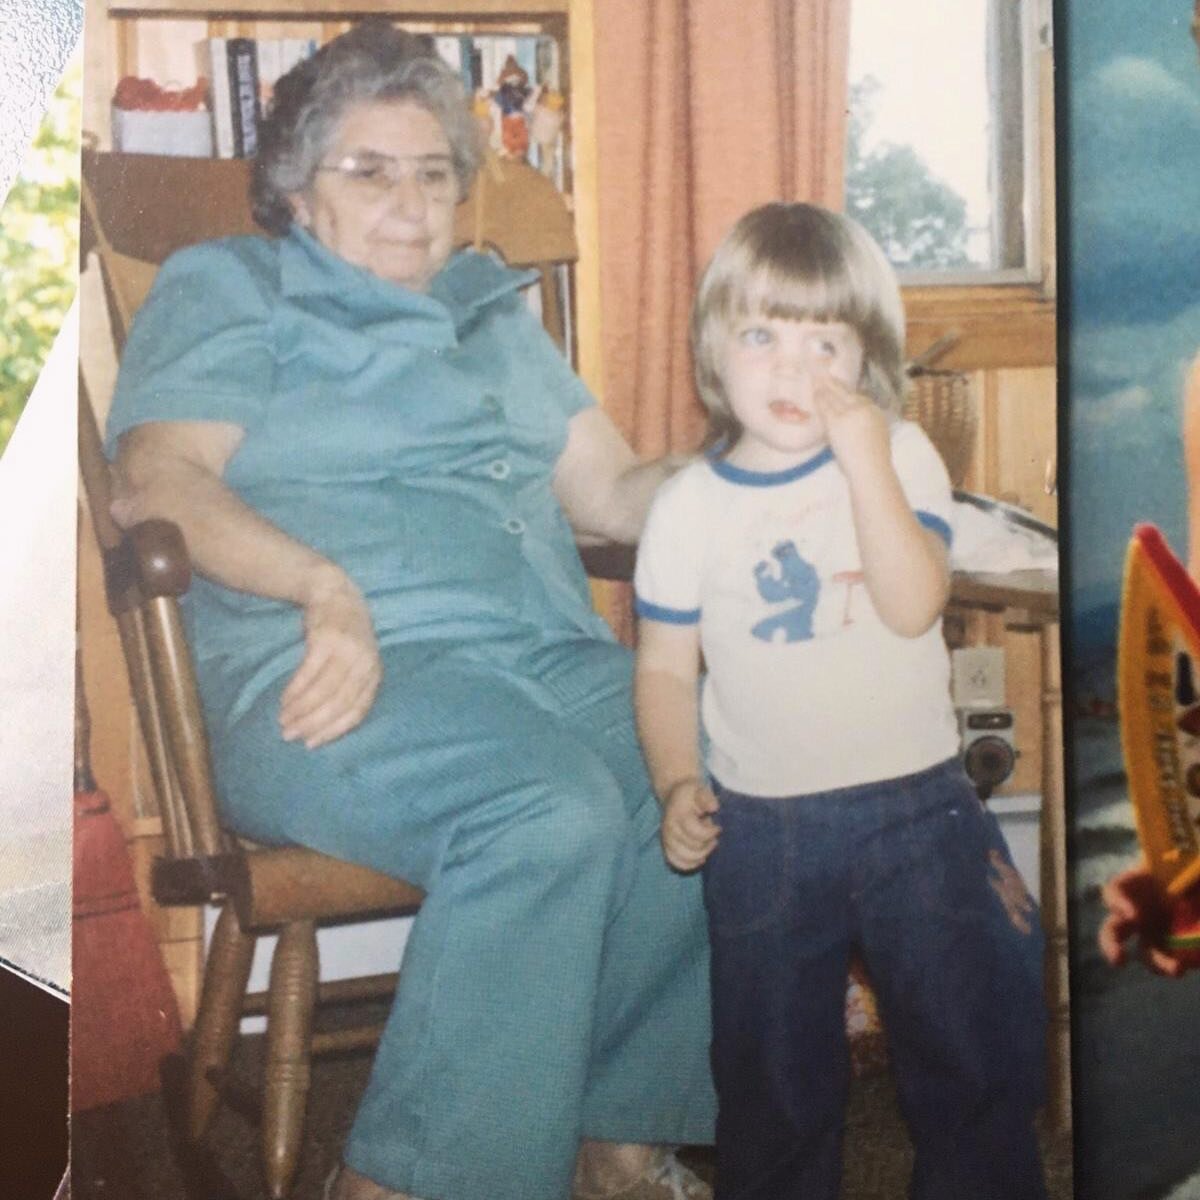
[(1034, 592)]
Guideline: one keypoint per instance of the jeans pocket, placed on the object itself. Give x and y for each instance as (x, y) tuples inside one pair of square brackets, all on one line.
[(939, 854), (746, 877)]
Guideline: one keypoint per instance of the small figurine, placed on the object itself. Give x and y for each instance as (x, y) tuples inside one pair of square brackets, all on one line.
[(545, 126), (511, 97)]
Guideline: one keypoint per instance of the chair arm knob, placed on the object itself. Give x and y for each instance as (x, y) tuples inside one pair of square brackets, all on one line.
[(161, 558)]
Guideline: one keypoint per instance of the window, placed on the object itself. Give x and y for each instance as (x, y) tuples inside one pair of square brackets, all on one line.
[(942, 150)]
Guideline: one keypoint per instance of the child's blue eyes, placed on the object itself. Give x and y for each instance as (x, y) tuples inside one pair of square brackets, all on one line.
[(756, 336)]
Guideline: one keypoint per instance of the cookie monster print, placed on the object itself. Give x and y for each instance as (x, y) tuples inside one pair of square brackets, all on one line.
[(789, 578)]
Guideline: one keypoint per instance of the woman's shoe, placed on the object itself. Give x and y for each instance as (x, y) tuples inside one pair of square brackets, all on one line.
[(666, 1178)]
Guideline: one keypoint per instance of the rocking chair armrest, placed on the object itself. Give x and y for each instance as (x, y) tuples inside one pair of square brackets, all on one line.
[(608, 560), (160, 553), (150, 560), (200, 879)]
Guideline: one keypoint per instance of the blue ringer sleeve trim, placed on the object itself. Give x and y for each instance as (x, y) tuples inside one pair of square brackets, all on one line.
[(938, 524), (672, 616)]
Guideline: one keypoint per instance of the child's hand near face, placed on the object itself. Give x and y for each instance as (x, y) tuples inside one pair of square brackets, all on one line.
[(856, 427), (689, 833)]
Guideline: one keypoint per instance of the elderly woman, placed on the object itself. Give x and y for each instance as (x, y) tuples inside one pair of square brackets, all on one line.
[(380, 464)]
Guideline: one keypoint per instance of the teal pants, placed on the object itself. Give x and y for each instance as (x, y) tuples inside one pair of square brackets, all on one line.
[(555, 982)]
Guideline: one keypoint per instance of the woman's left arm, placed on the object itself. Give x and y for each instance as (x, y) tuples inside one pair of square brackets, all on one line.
[(604, 488)]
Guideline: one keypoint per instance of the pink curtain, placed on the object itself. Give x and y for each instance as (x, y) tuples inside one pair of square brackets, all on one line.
[(705, 109)]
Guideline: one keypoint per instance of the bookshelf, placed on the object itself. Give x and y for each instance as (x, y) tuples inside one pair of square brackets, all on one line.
[(159, 39), (177, 51)]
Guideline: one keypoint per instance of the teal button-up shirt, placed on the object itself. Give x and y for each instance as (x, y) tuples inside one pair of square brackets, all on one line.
[(409, 437)]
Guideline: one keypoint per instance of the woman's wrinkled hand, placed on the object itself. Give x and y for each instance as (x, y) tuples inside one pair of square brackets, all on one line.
[(1137, 908), (337, 681), (689, 833)]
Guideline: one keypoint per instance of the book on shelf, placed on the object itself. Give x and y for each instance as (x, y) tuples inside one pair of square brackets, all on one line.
[(276, 57), (450, 51), (219, 100), (243, 73), (508, 72), (270, 68), (474, 67), (242, 59)]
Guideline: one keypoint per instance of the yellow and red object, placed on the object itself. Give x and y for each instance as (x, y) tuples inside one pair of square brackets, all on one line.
[(1158, 695)]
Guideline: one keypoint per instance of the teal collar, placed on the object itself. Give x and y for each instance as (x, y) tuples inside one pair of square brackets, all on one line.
[(467, 282), (465, 285), (471, 281)]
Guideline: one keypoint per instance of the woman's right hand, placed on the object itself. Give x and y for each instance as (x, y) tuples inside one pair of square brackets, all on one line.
[(174, 470), (337, 681)]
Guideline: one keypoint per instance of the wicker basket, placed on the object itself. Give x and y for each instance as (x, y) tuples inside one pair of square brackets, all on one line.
[(942, 404)]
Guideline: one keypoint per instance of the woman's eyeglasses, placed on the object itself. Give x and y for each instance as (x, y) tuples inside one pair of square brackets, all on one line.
[(375, 175)]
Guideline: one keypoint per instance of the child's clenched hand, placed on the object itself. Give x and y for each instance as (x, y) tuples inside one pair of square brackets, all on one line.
[(689, 833)]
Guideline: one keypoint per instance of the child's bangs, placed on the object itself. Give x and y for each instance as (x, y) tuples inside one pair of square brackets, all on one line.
[(781, 293)]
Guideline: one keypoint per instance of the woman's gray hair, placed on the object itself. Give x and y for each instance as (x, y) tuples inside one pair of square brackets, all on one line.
[(373, 61)]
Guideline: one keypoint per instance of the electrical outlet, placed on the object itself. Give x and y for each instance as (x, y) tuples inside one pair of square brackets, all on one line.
[(977, 677)]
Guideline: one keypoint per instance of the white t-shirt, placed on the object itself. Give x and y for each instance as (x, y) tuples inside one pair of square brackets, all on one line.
[(806, 688)]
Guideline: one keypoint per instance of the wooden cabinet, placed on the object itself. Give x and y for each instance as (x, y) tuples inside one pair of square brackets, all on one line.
[(1015, 461)]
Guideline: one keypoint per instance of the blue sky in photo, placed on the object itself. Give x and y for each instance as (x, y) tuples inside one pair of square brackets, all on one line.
[(1133, 240)]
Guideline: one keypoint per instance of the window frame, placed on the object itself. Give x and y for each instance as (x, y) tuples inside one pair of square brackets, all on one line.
[(1003, 319)]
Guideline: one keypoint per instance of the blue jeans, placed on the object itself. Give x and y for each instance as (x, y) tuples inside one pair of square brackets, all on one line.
[(898, 870)]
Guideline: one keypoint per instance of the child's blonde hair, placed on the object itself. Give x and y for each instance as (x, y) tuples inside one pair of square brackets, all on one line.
[(802, 263)]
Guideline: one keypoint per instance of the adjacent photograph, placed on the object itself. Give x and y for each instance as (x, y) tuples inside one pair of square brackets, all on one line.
[(1133, 411)]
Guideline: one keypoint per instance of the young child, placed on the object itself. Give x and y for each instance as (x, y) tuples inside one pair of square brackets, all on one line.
[(806, 558)]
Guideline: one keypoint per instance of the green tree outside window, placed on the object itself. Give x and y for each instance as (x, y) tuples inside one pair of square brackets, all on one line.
[(920, 222), (39, 249)]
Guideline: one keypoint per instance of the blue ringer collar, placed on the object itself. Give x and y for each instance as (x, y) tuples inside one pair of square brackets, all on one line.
[(740, 475)]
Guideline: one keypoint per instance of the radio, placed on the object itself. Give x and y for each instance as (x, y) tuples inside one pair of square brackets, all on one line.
[(988, 746), (985, 722)]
